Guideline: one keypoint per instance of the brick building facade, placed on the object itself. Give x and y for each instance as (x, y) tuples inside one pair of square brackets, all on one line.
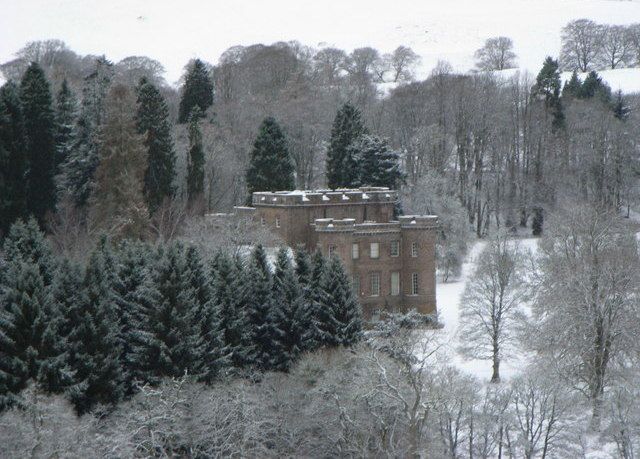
[(392, 262)]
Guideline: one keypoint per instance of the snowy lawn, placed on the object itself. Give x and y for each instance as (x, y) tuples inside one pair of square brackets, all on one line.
[(448, 296)]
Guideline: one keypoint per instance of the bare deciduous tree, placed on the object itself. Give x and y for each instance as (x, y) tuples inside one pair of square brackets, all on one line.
[(581, 45), (402, 62), (496, 54), (616, 47)]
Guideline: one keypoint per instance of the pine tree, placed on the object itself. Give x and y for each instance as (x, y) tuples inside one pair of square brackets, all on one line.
[(342, 301), (178, 346), (26, 242), (342, 168), (593, 86), (227, 277), (572, 87), (195, 168), (82, 162), (379, 165), (117, 203), (547, 87), (39, 128), (265, 337), (152, 121), (94, 343), (198, 91), (65, 115), (29, 348), (270, 166), (320, 321), (620, 108), (289, 304), (13, 159)]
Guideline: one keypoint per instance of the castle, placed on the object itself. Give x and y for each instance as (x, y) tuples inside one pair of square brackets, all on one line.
[(392, 262)]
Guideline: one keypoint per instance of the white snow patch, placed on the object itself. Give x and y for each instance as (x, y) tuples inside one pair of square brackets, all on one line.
[(325, 198)]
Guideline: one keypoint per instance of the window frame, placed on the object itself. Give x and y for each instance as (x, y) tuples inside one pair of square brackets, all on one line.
[(355, 251), (374, 292), (395, 291), (414, 249), (331, 250), (377, 246), (277, 221), (415, 286), (396, 245)]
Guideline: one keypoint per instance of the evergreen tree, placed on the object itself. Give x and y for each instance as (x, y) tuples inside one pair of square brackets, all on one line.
[(117, 203), (379, 165), (593, 86), (29, 328), (195, 168), (94, 343), (342, 301), (82, 162), (177, 343), (39, 128), (26, 243), (227, 277), (342, 168), (265, 338), (320, 321), (270, 166), (620, 108), (65, 115), (289, 304), (538, 221), (197, 91), (13, 159), (572, 87), (547, 87), (152, 121)]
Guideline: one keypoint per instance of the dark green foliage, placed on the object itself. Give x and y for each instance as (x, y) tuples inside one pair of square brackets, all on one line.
[(341, 317), (177, 346), (197, 92), (29, 331), (265, 338), (195, 168), (342, 168), (66, 108), (13, 159), (227, 276), (79, 169), (95, 346), (25, 242), (271, 166), (538, 221), (547, 87), (321, 322), (620, 108), (152, 120), (572, 87), (594, 87), (378, 164), (39, 128)]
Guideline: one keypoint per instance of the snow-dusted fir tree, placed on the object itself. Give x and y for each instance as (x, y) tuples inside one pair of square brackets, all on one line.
[(378, 164), (343, 305), (195, 159), (197, 91), (321, 322), (491, 303), (152, 121), (65, 116), (342, 167), (304, 269), (25, 242), (13, 159)]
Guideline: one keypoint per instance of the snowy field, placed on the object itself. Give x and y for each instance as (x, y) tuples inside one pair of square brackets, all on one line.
[(174, 32), (448, 297)]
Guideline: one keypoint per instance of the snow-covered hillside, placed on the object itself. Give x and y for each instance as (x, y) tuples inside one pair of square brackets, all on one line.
[(173, 32)]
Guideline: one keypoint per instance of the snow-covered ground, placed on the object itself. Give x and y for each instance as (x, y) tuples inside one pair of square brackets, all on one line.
[(448, 297), (173, 32)]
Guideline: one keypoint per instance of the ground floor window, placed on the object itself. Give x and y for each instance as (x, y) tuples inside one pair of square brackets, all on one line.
[(395, 284), (375, 284), (414, 284)]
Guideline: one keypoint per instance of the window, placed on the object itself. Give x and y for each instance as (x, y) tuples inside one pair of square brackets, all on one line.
[(356, 285), (277, 222), (395, 248), (332, 250), (374, 250), (414, 283), (355, 251), (395, 284), (414, 249), (375, 284), (262, 221)]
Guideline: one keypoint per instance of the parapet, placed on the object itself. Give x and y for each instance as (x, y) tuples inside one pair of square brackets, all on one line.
[(362, 195), (418, 221), (330, 225)]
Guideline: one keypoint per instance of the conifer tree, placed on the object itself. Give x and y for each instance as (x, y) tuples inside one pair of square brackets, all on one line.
[(152, 121), (82, 162), (13, 159), (593, 86), (117, 203), (343, 303), (270, 166), (265, 337), (39, 128), (26, 242), (620, 108), (320, 321), (572, 87), (342, 168), (289, 304), (195, 168), (303, 271), (197, 91), (65, 115), (379, 165), (177, 343), (29, 324), (547, 87), (94, 343), (227, 277)]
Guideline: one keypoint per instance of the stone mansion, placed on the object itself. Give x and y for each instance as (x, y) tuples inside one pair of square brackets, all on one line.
[(392, 262)]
